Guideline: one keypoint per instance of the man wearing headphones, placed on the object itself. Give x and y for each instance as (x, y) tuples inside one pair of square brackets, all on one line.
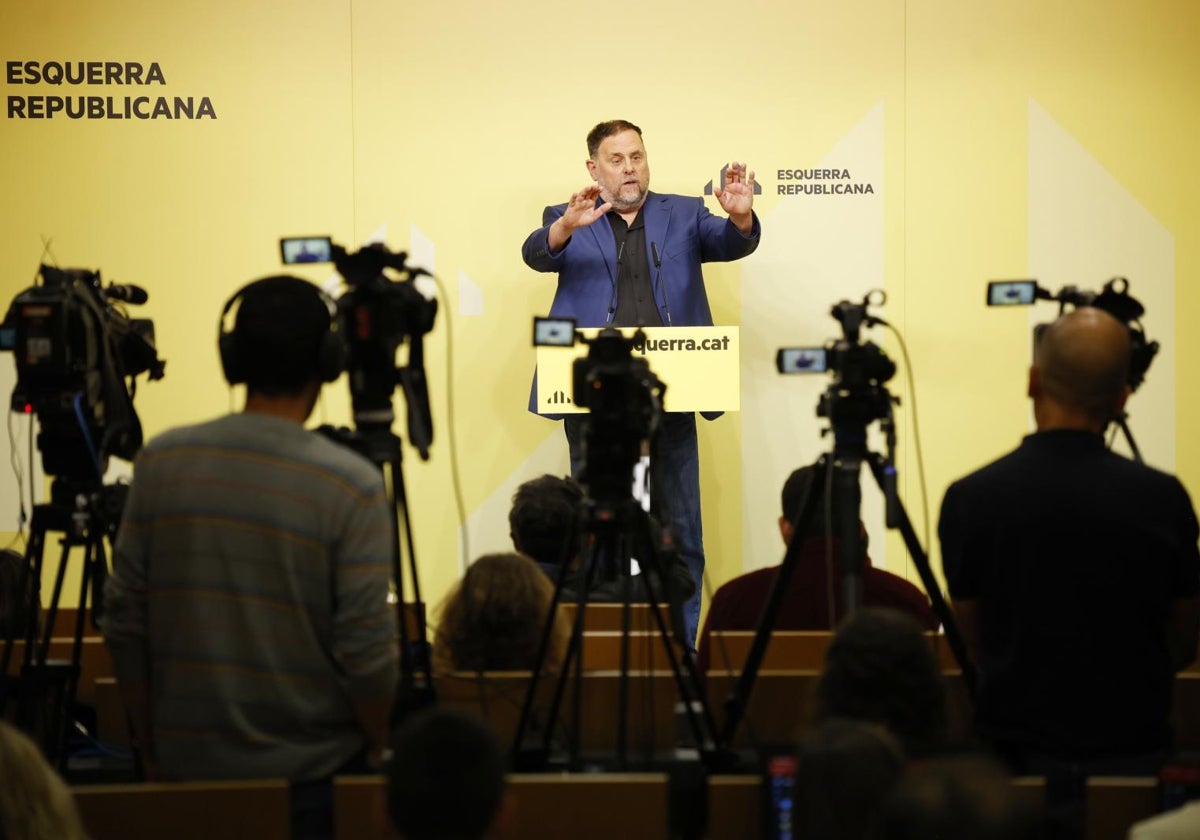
[(247, 611)]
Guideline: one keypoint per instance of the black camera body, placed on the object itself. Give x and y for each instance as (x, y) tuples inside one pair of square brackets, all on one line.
[(624, 399), (376, 315), (858, 394), (1113, 298), (74, 350)]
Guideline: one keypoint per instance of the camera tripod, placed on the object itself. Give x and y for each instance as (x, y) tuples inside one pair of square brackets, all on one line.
[(85, 513), (840, 471), (610, 530), (383, 448)]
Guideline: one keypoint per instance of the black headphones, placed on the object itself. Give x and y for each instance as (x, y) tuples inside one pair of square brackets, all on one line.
[(331, 355)]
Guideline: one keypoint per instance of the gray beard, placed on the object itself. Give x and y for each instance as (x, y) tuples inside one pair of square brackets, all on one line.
[(623, 205)]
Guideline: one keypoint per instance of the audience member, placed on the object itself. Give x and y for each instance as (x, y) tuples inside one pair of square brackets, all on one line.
[(880, 668), (543, 522), (958, 798), (494, 618), (445, 779), (35, 804), (813, 600), (844, 772), (247, 612), (1074, 572)]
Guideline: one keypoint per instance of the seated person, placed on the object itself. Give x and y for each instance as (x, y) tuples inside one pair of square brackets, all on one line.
[(494, 618), (961, 796), (812, 590), (35, 804), (880, 668), (544, 512), (445, 778), (845, 771)]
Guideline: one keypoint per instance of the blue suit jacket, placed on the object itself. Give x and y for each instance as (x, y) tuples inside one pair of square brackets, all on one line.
[(685, 235)]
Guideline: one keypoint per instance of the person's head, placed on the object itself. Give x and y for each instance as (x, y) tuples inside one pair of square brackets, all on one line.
[(617, 162), (493, 619), (445, 779), (1080, 373), (845, 770), (544, 512), (880, 668), (284, 341), (824, 516), (35, 804), (957, 798)]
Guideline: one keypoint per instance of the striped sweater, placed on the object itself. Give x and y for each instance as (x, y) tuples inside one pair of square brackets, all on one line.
[(249, 591)]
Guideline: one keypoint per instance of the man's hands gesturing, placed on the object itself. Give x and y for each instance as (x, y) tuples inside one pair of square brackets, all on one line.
[(581, 211), (737, 197)]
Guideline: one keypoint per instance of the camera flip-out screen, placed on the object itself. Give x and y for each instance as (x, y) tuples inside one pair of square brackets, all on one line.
[(306, 249), (801, 360), (553, 332), (1011, 292)]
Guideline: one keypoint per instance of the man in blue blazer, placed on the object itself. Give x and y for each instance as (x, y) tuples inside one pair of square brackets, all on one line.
[(628, 257)]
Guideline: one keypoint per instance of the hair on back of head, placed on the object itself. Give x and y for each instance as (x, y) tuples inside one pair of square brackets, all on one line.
[(494, 618), (543, 516), (280, 332), (880, 668), (445, 779)]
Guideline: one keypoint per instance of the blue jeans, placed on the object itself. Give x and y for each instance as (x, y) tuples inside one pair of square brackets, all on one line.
[(676, 501)]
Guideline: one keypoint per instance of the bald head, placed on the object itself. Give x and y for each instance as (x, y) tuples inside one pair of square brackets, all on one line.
[(1080, 370)]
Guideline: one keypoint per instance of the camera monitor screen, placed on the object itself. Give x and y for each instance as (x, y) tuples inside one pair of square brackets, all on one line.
[(801, 360), (553, 332), (1011, 292), (306, 249)]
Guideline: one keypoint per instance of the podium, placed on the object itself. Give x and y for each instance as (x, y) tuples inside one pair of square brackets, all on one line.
[(701, 367)]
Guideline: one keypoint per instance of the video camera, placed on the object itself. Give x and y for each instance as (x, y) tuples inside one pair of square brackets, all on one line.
[(74, 351), (1114, 298), (858, 393), (377, 314), (622, 394)]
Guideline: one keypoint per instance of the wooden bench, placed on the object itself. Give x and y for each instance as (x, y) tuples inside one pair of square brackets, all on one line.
[(94, 662), (585, 806), (497, 698), (231, 810)]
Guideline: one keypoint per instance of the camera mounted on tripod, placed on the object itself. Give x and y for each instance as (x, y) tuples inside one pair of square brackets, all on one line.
[(77, 357), (377, 313), (623, 396), (858, 394), (1113, 298)]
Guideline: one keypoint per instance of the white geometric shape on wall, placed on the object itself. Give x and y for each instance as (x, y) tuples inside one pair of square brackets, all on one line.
[(487, 525), (1085, 227), (420, 250), (379, 237), (470, 296), (816, 250)]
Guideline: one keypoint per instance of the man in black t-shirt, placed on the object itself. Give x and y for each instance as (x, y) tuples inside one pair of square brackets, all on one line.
[(1074, 571)]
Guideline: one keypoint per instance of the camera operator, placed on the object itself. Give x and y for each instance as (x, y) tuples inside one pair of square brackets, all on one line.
[(247, 611), (1074, 572)]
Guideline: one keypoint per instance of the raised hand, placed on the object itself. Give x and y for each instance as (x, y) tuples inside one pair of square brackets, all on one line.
[(581, 211), (737, 197)]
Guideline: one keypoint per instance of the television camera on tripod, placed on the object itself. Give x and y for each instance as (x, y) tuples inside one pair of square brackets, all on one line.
[(77, 356)]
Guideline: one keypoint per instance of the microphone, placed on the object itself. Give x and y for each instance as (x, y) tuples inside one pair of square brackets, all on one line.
[(658, 280), (127, 292)]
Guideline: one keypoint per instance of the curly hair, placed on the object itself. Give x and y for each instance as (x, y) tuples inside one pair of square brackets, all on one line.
[(880, 668), (494, 618), (544, 512)]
